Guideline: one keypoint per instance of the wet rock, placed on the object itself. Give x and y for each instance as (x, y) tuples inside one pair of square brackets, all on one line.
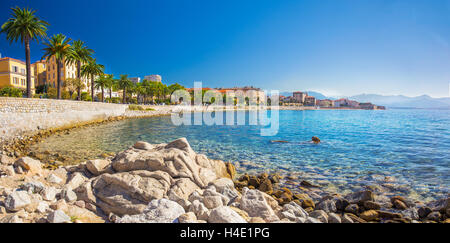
[(352, 208), (320, 215), (225, 214), (266, 186), (311, 220), (341, 204), (388, 215), (328, 206), (315, 139), (346, 219), (58, 216), (143, 145), (411, 213), (434, 216), (371, 205), (308, 184), (424, 211), (334, 218), (355, 218), (158, 211), (399, 204), (360, 197), (369, 215), (17, 200)]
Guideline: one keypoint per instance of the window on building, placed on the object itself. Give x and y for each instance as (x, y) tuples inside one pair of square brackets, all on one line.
[(22, 70), (15, 69)]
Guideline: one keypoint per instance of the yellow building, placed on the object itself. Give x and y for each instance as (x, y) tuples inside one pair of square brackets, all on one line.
[(67, 71), (40, 72), (13, 73)]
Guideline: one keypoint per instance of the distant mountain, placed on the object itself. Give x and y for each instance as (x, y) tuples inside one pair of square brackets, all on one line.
[(391, 101), (400, 101), (310, 93)]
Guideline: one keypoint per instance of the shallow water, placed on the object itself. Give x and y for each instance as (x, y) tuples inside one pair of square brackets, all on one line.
[(399, 151)]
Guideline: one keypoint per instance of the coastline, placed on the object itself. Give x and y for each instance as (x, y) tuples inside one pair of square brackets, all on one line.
[(197, 190)]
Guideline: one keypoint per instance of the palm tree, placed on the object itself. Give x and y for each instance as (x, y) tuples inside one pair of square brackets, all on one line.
[(79, 54), (124, 83), (92, 69), (102, 82), (110, 84), (58, 46), (24, 25)]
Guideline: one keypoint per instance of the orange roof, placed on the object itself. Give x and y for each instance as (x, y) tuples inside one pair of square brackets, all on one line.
[(11, 59)]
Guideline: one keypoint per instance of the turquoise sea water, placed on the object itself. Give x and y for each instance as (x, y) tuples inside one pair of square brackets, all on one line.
[(406, 151)]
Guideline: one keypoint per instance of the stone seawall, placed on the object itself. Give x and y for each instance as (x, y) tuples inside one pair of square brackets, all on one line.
[(20, 115)]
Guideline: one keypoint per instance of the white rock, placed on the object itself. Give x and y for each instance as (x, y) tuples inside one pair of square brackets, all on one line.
[(52, 178), (158, 211), (187, 218), (294, 212), (17, 200), (29, 164), (58, 216), (49, 193), (255, 204), (212, 201), (200, 210), (42, 207), (225, 214), (69, 195), (98, 166), (311, 220), (76, 181)]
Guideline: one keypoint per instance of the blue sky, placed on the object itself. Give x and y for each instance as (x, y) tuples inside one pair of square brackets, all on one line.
[(338, 47)]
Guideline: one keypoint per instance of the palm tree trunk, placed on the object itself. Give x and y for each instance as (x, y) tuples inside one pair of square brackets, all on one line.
[(103, 93), (123, 98), (92, 87), (79, 77), (28, 64), (110, 94), (58, 73)]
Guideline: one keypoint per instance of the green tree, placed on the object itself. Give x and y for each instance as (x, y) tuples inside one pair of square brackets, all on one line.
[(25, 26), (58, 46), (124, 83), (74, 84), (78, 55), (100, 83), (174, 87), (92, 69), (110, 84)]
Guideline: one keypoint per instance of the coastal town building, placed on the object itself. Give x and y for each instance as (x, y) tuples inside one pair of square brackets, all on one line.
[(13, 73), (310, 101), (67, 71), (40, 72), (300, 97), (153, 77), (135, 80), (325, 103)]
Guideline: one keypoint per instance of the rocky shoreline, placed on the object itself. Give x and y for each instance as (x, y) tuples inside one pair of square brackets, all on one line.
[(171, 183)]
